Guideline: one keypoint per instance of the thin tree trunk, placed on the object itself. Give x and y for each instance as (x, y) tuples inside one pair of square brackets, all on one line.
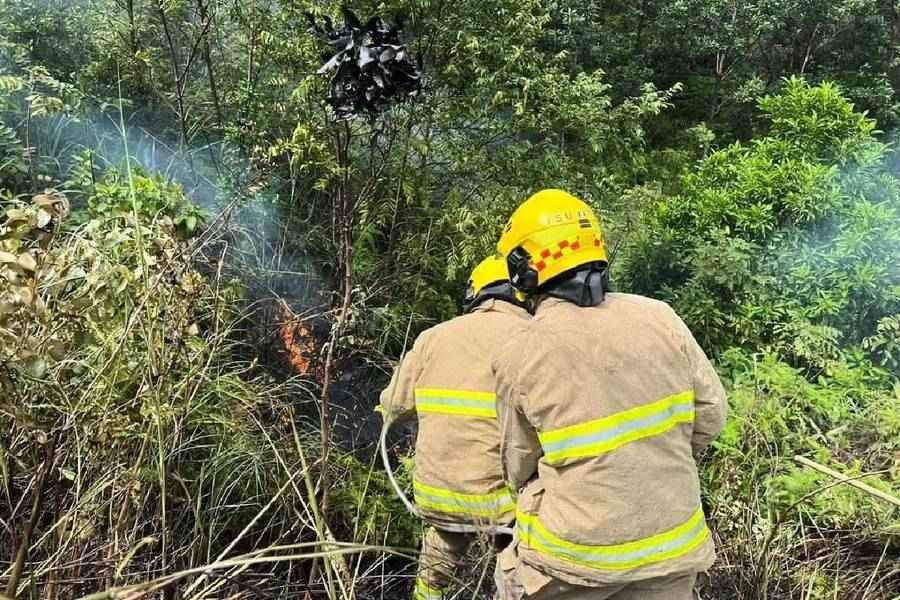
[(37, 501), (132, 32), (809, 49), (342, 218), (639, 37), (207, 58), (176, 72), (345, 261), (895, 39)]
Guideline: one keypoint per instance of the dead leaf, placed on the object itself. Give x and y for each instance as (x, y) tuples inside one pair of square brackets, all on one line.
[(26, 296), (43, 200), (56, 349), (43, 218), (27, 262), (15, 215)]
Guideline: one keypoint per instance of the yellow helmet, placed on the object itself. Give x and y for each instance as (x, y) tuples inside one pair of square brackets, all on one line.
[(550, 233), (490, 279)]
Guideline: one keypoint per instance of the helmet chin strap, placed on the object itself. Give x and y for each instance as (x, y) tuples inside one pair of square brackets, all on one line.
[(586, 286)]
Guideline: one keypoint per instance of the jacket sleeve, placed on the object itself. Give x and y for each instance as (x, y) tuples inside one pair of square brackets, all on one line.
[(520, 448), (398, 399), (710, 400)]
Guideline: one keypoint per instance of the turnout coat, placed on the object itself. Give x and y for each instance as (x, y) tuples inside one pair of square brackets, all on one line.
[(602, 411), (447, 382)]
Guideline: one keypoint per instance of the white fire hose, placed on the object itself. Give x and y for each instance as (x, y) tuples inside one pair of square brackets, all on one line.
[(414, 510)]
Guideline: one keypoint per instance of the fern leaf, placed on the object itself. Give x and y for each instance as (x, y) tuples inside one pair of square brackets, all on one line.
[(9, 84)]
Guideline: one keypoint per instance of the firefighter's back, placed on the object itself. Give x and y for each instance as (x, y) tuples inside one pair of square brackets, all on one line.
[(458, 475), (609, 390)]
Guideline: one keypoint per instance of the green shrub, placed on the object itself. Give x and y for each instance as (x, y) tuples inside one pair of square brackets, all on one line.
[(790, 241), (770, 510), (117, 194), (367, 500), (117, 351)]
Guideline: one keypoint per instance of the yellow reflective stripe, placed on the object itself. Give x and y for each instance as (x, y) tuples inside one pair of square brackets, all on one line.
[(423, 591), (467, 403), (491, 505), (446, 392), (606, 434), (457, 410), (445, 493), (674, 543), (616, 419), (455, 509)]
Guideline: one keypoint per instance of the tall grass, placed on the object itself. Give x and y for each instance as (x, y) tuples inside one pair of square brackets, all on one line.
[(155, 453)]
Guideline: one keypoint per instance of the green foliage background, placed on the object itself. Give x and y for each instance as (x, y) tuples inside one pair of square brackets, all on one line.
[(741, 155)]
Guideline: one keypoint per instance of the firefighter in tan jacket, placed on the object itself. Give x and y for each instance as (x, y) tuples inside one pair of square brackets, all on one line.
[(604, 401), (446, 381)]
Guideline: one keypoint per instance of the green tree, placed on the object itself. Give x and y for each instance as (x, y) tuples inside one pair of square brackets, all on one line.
[(788, 241)]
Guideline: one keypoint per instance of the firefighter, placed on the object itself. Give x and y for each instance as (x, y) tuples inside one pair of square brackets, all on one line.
[(446, 381), (604, 402)]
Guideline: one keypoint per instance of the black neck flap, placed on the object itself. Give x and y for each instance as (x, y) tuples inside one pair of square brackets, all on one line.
[(498, 291), (586, 286)]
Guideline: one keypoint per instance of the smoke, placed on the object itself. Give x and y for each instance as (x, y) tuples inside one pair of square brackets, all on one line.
[(251, 235), (252, 223), (244, 207)]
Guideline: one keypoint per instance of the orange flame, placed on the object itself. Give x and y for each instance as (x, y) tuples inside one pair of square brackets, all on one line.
[(299, 341)]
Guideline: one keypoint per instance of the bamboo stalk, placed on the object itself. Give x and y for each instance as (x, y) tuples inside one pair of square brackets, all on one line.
[(851, 482)]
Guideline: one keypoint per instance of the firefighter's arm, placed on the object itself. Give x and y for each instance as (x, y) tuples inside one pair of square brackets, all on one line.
[(520, 448), (398, 399), (710, 401)]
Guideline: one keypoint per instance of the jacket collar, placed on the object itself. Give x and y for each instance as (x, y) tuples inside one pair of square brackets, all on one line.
[(493, 304), (546, 303)]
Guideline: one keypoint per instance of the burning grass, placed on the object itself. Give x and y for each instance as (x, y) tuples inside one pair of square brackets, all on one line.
[(299, 343)]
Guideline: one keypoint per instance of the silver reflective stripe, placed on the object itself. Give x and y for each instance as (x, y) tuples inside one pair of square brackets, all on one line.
[(610, 434), (667, 545), (467, 403), (606, 434), (450, 401), (495, 503), (492, 505), (604, 558)]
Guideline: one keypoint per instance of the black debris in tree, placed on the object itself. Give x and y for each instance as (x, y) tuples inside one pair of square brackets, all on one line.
[(371, 67)]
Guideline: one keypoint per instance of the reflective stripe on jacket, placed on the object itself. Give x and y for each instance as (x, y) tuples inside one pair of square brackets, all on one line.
[(447, 382), (424, 591), (602, 410), (467, 403), (605, 435), (496, 506), (667, 545)]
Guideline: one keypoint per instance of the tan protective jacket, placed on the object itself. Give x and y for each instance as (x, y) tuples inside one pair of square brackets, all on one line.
[(447, 380), (608, 406)]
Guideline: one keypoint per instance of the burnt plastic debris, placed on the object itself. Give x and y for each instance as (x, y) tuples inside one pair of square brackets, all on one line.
[(371, 67)]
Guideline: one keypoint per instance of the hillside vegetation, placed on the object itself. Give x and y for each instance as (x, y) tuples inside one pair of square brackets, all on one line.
[(205, 278)]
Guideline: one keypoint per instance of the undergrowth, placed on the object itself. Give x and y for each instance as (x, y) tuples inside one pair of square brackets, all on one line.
[(133, 431)]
